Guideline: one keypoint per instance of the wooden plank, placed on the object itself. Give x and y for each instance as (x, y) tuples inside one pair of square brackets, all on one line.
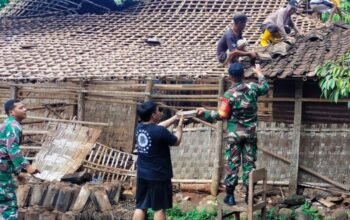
[(13, 92), (218, 147), (81, 103), (294, 167)]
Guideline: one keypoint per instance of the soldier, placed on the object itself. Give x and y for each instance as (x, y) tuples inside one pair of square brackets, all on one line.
[(11, 159), (239, 107)]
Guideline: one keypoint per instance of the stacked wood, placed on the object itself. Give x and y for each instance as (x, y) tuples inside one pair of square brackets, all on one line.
[(58, 200)]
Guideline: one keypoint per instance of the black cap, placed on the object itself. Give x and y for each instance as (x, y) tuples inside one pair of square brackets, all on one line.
[(239, 17), (293, 3), (236, 70), (272, 28)]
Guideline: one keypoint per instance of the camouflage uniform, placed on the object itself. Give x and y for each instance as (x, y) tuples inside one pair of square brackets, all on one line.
[(241, 128), (11, 162)]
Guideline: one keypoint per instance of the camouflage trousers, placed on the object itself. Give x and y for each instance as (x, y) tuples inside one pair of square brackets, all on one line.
[(240, 147), (8, 200)]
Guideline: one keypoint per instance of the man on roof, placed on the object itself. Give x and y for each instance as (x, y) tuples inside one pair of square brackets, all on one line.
[(321, 6), (271, 35), (282, 18), (227, 49)]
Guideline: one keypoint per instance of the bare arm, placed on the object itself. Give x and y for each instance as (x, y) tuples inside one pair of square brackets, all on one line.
[(178, 132), (239, 53), (168, 122)]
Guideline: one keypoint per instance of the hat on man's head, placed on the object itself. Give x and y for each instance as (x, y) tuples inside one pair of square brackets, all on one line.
[(272, 28), (236, 70), (293, 3), (239, 17)]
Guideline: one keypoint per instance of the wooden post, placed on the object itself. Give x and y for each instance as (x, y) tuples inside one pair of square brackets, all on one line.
[(218, 147), (13, 92), (81, 103), (148, 90), (294, 166)]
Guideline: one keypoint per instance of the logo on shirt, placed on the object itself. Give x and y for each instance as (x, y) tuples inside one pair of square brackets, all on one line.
[(234, 45), (143, 141)]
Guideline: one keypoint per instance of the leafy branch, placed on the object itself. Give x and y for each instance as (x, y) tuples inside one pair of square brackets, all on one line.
[(334, 78)]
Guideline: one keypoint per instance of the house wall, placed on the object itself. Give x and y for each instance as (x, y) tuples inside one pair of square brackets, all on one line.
[(312, 111)]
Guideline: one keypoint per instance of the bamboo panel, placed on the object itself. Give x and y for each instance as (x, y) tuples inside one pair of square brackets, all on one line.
[(193, 158), (110, 165), (64, 150)]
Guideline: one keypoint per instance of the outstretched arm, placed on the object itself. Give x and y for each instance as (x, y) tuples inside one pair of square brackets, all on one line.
[(263, 86)]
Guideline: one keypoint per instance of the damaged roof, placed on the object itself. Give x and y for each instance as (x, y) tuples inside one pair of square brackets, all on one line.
[(299, 58), (157, 39)]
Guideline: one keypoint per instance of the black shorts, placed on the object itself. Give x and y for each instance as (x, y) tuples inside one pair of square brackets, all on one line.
[(152, 194)]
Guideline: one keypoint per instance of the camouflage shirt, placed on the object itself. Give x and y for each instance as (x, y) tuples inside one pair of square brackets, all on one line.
[(243, 99), (11, 158)]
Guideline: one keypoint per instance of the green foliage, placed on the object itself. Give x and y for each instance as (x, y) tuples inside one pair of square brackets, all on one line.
[(345, 8), (3, 3), (176, 214), (311, 212), (334, 78)]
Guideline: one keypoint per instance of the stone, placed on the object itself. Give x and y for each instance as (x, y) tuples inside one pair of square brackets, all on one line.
[(285, 213), (82, 198), (186, 206), (299, 214), (208, 200), (209, 207), (243, 216), (128, 195), (23, 195), (100, 199), (178, 197), (294, 200), (340, 215)]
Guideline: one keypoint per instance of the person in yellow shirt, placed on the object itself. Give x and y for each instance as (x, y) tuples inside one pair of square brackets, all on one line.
[(271, 35)]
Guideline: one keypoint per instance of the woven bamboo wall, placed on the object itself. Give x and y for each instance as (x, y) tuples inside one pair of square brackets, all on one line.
[(120, 135), (194, 158), (323, 148)]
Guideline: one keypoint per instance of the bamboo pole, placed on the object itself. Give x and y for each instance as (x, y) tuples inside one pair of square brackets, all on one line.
[(193, 118), (148, 90), (66, 121), (214, 189)]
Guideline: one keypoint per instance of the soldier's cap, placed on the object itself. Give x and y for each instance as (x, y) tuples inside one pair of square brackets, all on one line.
[(236, 70), (239, 17)]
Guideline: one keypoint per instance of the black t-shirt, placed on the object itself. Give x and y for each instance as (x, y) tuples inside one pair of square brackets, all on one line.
[(228, 41), (153, 145)]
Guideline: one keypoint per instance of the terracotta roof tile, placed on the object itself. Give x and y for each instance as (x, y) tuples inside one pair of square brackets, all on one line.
[(308, 52), (113, 45)]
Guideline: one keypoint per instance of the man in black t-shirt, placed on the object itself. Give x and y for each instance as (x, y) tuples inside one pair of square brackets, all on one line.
[(154, 169), (227, 51)]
